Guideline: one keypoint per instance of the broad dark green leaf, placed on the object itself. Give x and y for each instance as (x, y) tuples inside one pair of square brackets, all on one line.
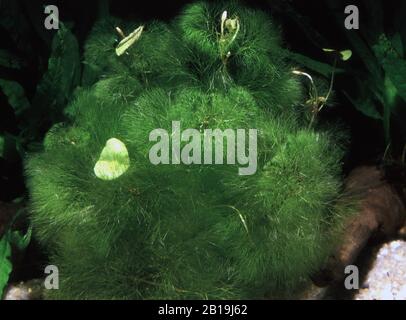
[(396, 71), (365, 53), (398, 44), (19, 240), (384, 49), (16, 96), (313, 65), (2, 142), (394, 66), (366, 106), (5, 264), (62, 76), (10, 147)]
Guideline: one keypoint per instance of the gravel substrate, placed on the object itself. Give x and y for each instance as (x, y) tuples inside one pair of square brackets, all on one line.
[(387, 278), (30, 290)]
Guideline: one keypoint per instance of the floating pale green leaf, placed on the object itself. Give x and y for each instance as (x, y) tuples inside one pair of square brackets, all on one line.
[(113, 162), (344, 55), (128, 41)]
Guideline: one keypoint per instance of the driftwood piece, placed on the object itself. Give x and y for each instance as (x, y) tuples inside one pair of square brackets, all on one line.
[(381, 214)]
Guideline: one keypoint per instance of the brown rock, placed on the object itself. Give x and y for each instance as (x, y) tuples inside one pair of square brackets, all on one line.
[(381, 214)]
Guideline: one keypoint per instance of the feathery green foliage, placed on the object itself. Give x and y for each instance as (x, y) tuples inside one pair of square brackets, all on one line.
[(178, 231)]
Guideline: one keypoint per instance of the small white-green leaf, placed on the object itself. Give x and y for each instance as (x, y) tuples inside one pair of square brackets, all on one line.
[(128, 41), (343, 55), (346, 55), (113, 162)]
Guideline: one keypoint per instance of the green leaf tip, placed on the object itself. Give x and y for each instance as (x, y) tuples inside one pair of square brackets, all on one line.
[(344, 55), (113, 161)]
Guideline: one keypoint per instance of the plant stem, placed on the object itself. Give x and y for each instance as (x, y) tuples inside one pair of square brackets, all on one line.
[(330, 90)]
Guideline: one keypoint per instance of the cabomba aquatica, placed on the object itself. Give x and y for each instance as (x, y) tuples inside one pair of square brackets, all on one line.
[(118, 226), (206, 146)]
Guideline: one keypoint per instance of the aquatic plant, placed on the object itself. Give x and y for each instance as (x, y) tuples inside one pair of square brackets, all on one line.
[(119, 227)]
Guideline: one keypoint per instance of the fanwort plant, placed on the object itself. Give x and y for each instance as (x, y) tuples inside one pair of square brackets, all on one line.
[(119, 227)]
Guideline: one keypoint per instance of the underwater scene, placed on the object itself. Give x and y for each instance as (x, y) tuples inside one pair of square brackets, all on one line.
[(203, 150)]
